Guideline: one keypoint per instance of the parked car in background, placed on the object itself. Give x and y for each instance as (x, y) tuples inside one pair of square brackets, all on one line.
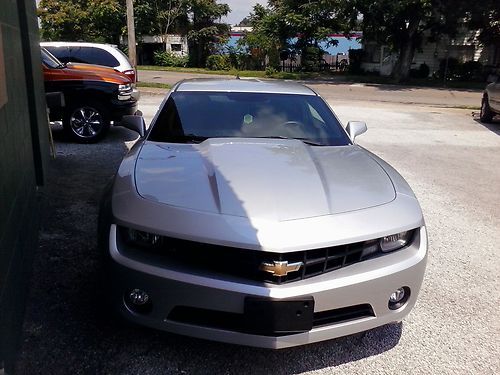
[(490, 105), (92, 53), (247, 214), (94, 97)]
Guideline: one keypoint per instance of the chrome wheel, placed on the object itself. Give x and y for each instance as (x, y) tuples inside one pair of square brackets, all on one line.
[(86, 122)]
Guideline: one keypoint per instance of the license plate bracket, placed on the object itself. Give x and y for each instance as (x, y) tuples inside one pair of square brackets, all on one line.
[(277, 317)]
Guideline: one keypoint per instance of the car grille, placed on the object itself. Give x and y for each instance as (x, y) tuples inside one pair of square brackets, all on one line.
[(245, 263)]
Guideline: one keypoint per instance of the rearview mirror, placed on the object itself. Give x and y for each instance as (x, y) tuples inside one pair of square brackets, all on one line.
[(355, 128), (134, 123)]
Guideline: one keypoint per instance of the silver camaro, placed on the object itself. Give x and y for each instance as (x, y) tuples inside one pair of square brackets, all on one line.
[(247, 214)]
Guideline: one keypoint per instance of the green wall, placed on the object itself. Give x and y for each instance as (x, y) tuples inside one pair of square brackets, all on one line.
[(23, 155)]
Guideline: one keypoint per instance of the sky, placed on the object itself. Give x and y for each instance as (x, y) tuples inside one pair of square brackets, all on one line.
[(240, 9)]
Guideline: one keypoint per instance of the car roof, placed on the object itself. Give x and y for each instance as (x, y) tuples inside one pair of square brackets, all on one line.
[(80, 44), (243, 85)]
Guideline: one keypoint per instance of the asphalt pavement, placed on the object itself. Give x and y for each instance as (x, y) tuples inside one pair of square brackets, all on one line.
[(337, 90), (451, 160)]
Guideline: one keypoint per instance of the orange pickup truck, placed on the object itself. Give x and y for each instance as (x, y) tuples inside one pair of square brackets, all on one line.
[(94, 97)]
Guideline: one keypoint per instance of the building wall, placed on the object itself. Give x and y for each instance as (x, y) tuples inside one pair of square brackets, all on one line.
[(23, 155), (464, 47)]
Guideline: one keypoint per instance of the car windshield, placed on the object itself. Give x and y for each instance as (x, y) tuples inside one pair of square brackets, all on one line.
[(192, 117), (49, 60)]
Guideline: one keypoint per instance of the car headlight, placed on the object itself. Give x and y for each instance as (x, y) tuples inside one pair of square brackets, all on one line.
[(142, 239), (125, 89), (395, 241)]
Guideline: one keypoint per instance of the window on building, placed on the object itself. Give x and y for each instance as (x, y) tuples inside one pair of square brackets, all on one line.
[(176, 47)]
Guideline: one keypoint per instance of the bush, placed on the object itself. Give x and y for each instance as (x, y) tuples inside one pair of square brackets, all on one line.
[(218, 62), (355, 60), (165, 58), (270, 71), (422, 71), (469, 70)]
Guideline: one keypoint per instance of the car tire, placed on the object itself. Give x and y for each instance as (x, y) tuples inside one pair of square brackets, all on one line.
[(86, 123), (486, 115)]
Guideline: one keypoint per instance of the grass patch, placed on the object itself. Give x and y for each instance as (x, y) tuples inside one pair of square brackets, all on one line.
[(313, 76), (243, 73), (154, 85)]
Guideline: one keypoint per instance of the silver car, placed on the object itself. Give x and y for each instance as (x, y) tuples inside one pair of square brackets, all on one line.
[(247, 214), (490, 104)]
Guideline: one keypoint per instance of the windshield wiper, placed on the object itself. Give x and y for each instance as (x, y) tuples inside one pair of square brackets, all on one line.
[(305, 140)]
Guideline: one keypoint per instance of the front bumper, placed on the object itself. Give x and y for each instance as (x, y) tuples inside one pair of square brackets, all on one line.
[(188, 304), (120, 107)]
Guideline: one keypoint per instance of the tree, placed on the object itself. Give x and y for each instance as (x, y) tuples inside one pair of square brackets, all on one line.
[(160, 17), (403, 25), (486, 18), (297, 25), (88, 20), (206, 29), (245, 22)]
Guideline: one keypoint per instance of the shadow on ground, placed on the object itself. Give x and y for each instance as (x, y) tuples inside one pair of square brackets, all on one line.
[(66, 327), (493, 126)]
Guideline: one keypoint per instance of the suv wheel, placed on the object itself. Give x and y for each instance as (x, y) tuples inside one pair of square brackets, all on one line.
[(486, 114), (86, 123)]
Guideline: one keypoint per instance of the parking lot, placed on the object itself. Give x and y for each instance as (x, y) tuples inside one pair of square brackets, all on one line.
[(450, 159)]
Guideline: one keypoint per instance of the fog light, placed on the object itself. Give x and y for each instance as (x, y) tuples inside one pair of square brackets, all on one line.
[(399, 297), (138, 301), (138, 297)]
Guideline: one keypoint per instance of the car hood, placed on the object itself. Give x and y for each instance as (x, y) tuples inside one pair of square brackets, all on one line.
[(97, 73), (262, 178)]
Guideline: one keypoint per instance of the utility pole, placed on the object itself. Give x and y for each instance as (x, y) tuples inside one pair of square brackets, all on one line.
[(131, 33)]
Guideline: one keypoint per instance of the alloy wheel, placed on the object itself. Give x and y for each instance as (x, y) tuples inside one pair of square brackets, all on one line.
[(86, 122)]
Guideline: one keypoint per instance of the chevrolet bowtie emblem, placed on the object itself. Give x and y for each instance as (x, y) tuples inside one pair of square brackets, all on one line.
[(280, 268)]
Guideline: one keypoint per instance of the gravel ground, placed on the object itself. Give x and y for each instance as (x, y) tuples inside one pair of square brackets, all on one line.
[(452, 162)]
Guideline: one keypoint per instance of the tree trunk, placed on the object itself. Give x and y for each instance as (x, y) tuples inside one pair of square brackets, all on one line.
[(401, 70)]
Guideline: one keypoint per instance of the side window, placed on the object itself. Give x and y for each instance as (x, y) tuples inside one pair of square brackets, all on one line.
[(168, 124), (62, 53), (91, 55)]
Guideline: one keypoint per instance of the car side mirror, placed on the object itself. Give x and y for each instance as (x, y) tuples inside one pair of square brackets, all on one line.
[(134, 123), (355, 128)]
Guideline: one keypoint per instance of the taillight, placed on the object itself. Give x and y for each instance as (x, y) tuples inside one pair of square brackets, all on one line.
[(131, 74)]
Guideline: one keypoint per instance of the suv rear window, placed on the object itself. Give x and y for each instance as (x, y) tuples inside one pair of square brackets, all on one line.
[(92, 55)]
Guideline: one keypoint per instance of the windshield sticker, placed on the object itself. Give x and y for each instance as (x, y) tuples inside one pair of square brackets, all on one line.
[(248, 119)]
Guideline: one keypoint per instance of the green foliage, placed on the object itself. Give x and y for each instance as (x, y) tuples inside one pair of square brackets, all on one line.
[(205, 31), (403, 25), (105, 21), (86, 20), (218, 62), (422, 71), (458, 71), (155, 17), (486, 18), (275, 26), (355, 60), (270, 71), (165, 58)]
